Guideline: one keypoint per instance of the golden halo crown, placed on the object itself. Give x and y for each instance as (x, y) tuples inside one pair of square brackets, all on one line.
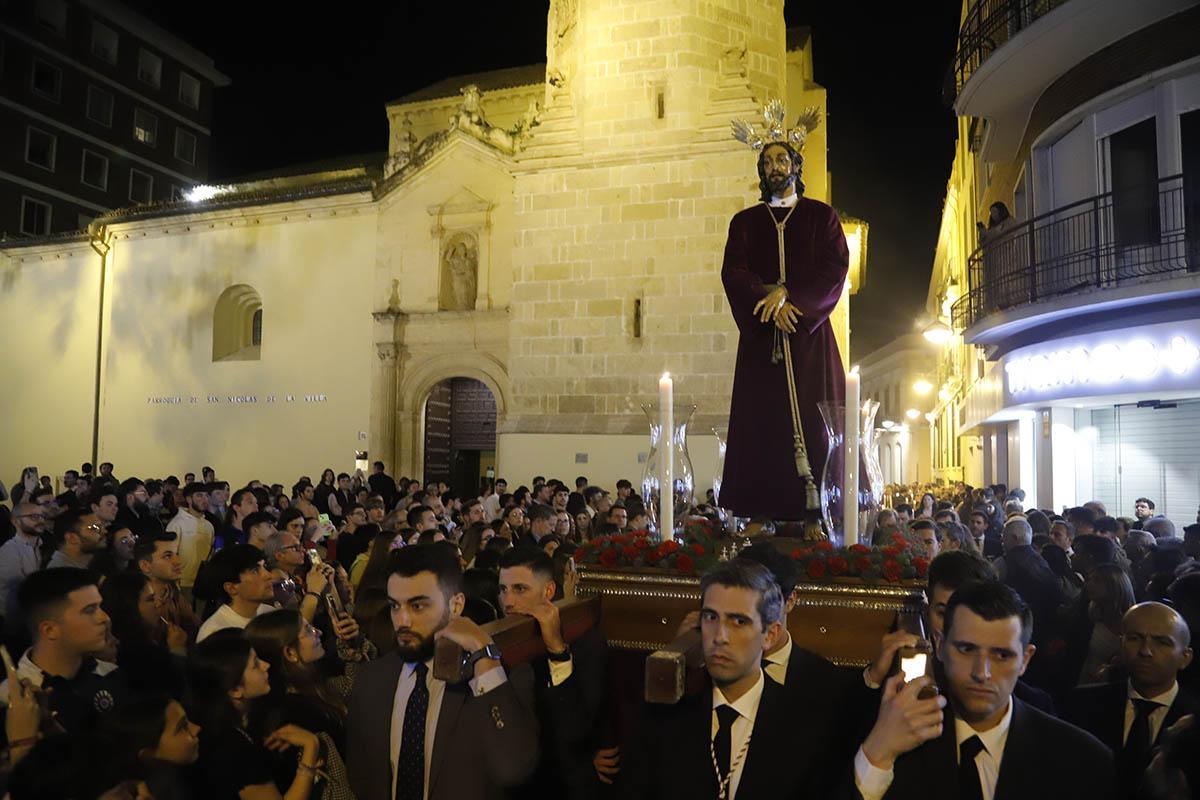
[(775, 127)]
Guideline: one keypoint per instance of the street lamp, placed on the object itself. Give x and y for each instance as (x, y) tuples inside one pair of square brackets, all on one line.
[(939, 333), (922, 387), (912, 413)]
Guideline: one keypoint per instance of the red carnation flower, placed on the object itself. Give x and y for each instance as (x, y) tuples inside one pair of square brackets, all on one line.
[(641, 543), (653, 557), (816, 569), (891, 552), (899, 539), (859, 549), (670, 545), (698, 549), (796, 554), (862, 563), (838, 565), (892, 570), (921, 565), (630, 552), (608, 558), (824, 545), (684, 563)]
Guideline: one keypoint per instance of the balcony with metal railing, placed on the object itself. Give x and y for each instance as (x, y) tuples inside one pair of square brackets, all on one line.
[(1010, 51), (1129, 247)]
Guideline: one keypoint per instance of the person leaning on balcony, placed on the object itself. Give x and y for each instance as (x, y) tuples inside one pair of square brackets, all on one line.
[(1001, 264)]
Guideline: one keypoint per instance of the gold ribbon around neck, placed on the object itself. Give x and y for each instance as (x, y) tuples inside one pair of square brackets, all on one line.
[(782, 351)]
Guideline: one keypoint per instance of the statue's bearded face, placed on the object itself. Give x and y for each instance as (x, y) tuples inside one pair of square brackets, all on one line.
[(777, 168)]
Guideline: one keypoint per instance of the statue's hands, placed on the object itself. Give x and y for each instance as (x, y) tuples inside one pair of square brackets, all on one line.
[(787, 317), (769, 306)]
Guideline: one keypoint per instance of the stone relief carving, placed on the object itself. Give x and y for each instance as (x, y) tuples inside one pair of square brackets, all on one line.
[(460, 270), (470, 119), (403, 146)]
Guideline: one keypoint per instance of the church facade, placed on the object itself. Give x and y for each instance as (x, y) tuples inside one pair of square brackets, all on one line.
[(554, 232)]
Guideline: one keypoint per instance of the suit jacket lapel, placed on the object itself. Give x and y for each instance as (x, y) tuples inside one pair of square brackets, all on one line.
[(381, 738), (1020, 752), (769, 723), (1181, 707), (452, 703)]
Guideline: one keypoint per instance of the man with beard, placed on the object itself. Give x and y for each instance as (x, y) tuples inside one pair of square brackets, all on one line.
[(78, 537), (194, 532), (734, 739), (784, 270), (135, 513), (485, 733)]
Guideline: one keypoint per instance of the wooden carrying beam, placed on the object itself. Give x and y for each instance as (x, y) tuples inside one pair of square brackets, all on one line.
[(519, 637), (671, 671)]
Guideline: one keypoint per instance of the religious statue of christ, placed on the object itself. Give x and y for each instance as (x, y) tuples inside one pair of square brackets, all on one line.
[(785, 265)]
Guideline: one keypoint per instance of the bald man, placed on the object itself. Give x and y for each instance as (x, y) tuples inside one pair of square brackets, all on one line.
[(1130, 717)]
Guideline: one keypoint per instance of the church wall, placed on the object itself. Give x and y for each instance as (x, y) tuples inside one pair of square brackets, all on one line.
[(49, 311), (168, 408)]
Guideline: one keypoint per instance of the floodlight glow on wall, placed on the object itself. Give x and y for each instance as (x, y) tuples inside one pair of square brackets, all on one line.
[(939, 333), (1103, 364), (922, 387), (912, 413)]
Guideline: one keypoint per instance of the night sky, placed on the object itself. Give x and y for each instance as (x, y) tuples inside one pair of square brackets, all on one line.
[(310, 87)]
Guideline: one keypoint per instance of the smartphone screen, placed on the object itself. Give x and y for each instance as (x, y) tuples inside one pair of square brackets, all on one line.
[(314, 557), (913, 666)]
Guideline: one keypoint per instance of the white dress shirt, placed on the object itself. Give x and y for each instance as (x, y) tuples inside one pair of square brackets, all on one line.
[(437, 689), (743, 726), (1157, 716), (777, 662), (874, 782), (785, 202)]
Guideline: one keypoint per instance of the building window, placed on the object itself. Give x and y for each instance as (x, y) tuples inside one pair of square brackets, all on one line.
[(51, 15), (46, 80), (95, 171), (35, 217), (189, 90), (1133, 156), (141, 186), (237, 325), (40, 148), (176, 193), (145, 127), (104, 42), (185, 146), (100, 106), (149, 68)]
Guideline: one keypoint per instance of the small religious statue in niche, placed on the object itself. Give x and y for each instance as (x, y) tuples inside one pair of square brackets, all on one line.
[(403, 144), (460, 264)]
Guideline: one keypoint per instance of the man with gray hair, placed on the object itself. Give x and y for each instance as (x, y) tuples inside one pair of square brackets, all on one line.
[(1026, 572), (1014, 508)]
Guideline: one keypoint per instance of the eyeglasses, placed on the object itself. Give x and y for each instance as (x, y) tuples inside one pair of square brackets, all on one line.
[(127, 540), (95, 527), (291, 547)]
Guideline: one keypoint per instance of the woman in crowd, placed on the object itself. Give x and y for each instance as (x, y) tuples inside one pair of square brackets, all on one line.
[(292, 521), (150, 650), (473, 540), (512, 523), (118, 556), (926, 508), (481, 587), (299, 694), (371, 566), (326, 487), (955, 536), (225, 677), (150, 739), (1110, 595), (564, 527)]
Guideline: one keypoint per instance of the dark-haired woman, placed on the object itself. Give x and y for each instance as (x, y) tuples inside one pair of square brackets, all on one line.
[(151, 740), (225, 676), (150, 650)]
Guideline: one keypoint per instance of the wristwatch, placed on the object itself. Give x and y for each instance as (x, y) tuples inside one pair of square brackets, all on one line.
[(565, 655), (491, 650)]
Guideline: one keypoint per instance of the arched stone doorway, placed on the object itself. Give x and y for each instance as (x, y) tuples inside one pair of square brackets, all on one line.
[(460, 433)]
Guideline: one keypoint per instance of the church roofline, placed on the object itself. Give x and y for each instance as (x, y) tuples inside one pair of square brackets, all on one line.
[(493, 80)]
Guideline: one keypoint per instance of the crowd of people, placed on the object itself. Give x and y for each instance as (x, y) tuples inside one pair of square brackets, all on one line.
[(175, 639)]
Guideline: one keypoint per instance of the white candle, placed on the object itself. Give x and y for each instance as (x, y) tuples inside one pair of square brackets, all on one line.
[(666, 472), (850, 463)]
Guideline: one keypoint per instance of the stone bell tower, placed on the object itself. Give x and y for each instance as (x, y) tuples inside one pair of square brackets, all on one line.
[(623, 195)]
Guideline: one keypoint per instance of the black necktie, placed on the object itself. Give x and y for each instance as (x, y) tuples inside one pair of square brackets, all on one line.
[(723, 741), (1137, 746), (410, 767), (969, 787)]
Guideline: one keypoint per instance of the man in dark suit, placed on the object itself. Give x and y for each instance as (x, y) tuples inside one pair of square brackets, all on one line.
[(1131, 717), (542, 519), (485, 735), (977, 741), (569, 680), (382, 484), (733, 740), (947, 572), (1024, 569)]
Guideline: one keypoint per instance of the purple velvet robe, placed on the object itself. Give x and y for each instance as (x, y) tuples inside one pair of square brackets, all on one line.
[(760, 477)]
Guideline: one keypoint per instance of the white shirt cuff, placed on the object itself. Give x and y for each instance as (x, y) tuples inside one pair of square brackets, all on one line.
[(872, 782), (560, 671), (482, 684), (867, 679)]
